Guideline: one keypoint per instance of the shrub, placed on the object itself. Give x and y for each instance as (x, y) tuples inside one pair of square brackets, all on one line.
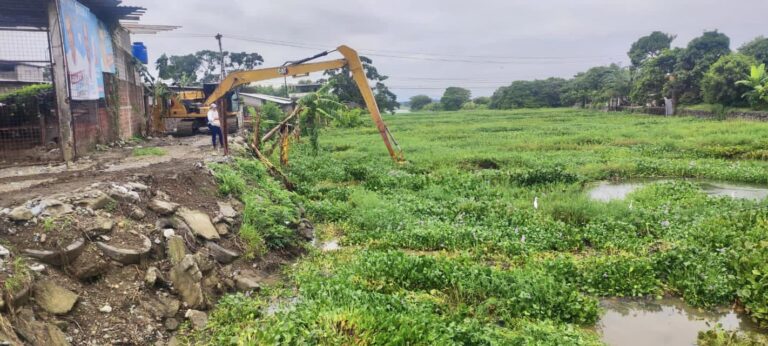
[(719, 83)]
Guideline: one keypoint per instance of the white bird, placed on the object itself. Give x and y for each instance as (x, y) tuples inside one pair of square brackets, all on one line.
[(536, 202)]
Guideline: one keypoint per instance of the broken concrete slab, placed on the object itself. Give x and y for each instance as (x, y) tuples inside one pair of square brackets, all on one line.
[(54, 298), (199, 223), (221, 254), (222, 228), (177, 249), (101, 225), (58, 257), (198, 319), (21, 214), (162, 207), (247, 281), (226, 210), (124, 255), (186, 278)]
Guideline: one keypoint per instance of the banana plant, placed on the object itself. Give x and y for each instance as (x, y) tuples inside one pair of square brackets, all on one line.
[(758, 81), (316, 107)]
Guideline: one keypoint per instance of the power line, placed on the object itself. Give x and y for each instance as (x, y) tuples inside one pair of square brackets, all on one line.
[(419, 56)]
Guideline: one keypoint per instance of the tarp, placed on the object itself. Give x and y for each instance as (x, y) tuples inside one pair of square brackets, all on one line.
[(88, 50)]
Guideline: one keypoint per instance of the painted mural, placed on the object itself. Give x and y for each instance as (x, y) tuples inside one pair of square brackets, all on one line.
[(88, 50)]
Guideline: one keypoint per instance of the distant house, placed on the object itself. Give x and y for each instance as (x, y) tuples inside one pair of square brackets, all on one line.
[(259, 100), (300, 90), (15, 75)]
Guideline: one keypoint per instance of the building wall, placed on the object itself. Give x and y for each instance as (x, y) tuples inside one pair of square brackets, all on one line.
[(121, 114)]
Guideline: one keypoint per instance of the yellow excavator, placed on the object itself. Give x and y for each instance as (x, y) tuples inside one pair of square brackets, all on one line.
[(301, 67)]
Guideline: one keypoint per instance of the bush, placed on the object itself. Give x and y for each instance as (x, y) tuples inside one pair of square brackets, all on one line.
[(271, 113), (432, 107), (419, 101), (719, 83), (349, 118)]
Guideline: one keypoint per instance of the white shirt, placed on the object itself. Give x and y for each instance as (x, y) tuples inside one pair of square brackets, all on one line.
[(213, 117)]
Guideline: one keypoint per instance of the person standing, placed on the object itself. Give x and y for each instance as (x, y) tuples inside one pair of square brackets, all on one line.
[(214, 125)]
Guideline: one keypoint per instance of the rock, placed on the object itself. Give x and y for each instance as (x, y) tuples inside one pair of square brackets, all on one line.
[(186, 278), (221, 254), (161, 207), (56, 210), (170, 307), (168, 233), (101, 225), (155, 277), (160, 308), (162, 195), (247, 282), (134, 186), (58, 257), (222, 228), (99, 200), (88, 266), (177, 249), (136, 213), (106, 309), (54, 298), (198, 318), (36, 267), (150, 278), (226, 210), (171, 324), (21, 214), (306, 230), (123, 194), (4, 252), (204, 261), (126, 256), (173, 341), (200, 224)]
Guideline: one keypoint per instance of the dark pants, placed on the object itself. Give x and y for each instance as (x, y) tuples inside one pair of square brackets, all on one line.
[(216, 131)]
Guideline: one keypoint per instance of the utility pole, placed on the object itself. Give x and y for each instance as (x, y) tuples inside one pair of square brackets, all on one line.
[(224, 112)]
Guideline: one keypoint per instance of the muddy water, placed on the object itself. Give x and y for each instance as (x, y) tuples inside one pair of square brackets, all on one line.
[(608, 191), (667, 321)]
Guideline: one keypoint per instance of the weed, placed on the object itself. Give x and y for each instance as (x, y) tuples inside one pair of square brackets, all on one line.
[(148, 151)]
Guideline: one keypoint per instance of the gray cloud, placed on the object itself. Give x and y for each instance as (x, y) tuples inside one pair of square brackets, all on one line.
[(579, 34)]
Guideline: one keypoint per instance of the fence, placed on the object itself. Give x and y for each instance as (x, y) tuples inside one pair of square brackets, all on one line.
[(28, 122)]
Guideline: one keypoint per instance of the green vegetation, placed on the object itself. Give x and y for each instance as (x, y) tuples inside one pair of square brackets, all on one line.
[(720, 84), (148, 151), (704, 71), (454, 97), (419, 101), (269, 209), (449, 248)]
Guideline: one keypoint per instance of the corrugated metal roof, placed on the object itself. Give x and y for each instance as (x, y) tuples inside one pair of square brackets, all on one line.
[(265, 97), (138, 28), (34, 13)]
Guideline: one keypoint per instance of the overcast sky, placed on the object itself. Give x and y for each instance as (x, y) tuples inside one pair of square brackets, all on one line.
[(427, 45)]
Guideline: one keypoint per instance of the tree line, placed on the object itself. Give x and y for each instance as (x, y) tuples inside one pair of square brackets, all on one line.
[(705, 71), (205, 66)]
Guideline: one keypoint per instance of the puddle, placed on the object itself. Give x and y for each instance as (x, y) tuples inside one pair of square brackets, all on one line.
[(607, 191), (667, 321), (751, 192)]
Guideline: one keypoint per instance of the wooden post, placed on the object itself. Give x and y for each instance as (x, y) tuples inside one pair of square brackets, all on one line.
[(223, 118), (60, 82)]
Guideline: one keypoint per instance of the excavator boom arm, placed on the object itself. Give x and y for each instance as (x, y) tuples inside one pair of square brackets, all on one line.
[(351, 60)]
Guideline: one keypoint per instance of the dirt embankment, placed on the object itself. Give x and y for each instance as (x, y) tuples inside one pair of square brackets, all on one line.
[(120, 249)]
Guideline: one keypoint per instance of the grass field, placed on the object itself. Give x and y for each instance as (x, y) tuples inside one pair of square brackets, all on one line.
[(449, 248)]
